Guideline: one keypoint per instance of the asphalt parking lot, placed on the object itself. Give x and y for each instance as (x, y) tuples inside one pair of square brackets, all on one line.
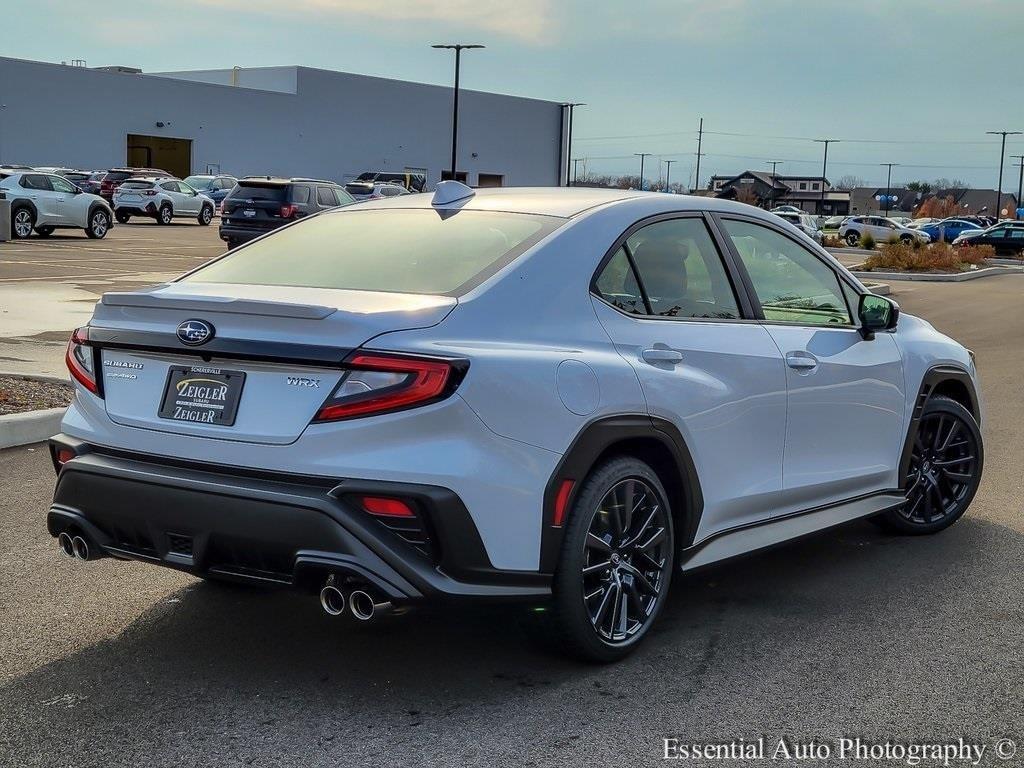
[(850, 633), (48, 286)]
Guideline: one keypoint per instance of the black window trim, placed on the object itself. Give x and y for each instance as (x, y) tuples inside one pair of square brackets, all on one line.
[(748, 283), (733, 275)]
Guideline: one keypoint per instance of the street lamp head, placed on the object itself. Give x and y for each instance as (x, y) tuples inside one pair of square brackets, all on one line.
[(457, 46)]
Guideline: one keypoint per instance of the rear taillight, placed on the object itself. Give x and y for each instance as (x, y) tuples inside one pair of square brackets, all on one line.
[(376, 383), (149, 192), (80, 360), (287, 211), (382, 506)]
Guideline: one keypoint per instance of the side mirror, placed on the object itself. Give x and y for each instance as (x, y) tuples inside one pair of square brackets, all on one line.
[(877, 313)]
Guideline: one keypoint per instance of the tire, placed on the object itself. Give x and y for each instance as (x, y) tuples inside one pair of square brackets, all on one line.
[(99, 224), (945, 470), (906, 239), (44, 231), (122, 218), (165, 215), (601, 616), (852, 238), (23, 221), (232, 244), (205, 216)]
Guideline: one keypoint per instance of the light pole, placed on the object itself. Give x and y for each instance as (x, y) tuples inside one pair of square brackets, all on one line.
[(700, 141), (1020, 181), (888, 185), (774, 164), (824, 167), (568, 142), (668, 172), (1002, 154), (642, 156), (458, 48), (576, 168)]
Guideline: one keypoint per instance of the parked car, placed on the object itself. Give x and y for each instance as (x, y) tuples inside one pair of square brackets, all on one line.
[(46, 202), (880, 228), (13, 167), (367, 190), (787, 209), (832, 223), (161, 199), (804, 223), (259, 204), (922, 222), (214, 187), (948, 229), (561, 396), (1007, 238), (414, 182), (112, 179)]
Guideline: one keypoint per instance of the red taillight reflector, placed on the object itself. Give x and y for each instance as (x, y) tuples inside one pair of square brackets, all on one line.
[(425, 380), (287, 211), (562, 502), (385, 507), (64, 456), (80, 361)]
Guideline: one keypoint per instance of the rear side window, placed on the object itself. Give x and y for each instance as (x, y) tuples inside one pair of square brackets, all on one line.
[(36, 181), (325, 196), (681, 273), (399, 250), (300, 194), (617, 284), (276, 193)]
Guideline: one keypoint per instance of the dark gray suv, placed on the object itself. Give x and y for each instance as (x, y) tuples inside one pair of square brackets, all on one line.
[(259, 204)]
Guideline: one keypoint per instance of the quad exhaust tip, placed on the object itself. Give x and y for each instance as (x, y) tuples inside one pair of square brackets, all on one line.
[(67, 545), (363, 606), (332, 600), (81, 548)]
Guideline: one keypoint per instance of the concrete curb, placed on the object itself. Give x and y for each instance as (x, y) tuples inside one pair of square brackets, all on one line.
[(879, 289), (30, 427), (925, 277)]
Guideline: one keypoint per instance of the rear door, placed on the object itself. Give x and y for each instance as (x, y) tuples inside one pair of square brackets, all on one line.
[(846, 393), (669, 305), (325, 198), (38, 189)]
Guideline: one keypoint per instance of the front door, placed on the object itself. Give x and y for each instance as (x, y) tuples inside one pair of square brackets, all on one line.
[(669, 307), (846, 393)]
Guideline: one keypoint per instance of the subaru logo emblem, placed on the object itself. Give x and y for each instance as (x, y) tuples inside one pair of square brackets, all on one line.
[(195, 332)]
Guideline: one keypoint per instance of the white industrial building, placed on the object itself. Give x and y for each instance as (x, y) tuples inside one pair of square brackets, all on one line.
[(289, 121)]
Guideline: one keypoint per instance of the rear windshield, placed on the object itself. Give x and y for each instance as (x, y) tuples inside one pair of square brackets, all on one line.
[(118, 175), (137, 185), (397, 250), (243, 191)]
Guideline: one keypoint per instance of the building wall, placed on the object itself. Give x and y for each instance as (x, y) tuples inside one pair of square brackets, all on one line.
[(335, 125)]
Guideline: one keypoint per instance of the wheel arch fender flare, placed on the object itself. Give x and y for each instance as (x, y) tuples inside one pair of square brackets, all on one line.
[(17, 205), (651, 439), (97, 205), (949, 380)]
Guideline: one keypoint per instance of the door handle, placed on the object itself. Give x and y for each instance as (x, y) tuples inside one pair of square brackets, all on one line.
[(801, 362), (662, 355)]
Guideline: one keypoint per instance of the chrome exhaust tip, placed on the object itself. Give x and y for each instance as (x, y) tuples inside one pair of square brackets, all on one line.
[(363, 606), (332, 600), (81, 548), (66, 544)]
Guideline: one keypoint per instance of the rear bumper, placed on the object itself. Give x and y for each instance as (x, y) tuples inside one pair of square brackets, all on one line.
[(135, 210), (244, 234), (285, 530)]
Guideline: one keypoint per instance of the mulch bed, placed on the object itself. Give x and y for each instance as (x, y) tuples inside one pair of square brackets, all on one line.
[(18, 395)]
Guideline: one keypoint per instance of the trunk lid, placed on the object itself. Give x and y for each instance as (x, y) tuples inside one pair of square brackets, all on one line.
[(285, 342)]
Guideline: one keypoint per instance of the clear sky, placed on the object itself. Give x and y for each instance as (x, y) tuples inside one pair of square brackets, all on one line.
[(916, 82)]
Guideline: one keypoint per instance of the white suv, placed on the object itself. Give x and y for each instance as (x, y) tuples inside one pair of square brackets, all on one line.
[(161, 199), (880, 228), (46, 202), (557, 396)]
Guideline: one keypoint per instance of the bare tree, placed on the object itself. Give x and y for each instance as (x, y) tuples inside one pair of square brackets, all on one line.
[(849, 181)]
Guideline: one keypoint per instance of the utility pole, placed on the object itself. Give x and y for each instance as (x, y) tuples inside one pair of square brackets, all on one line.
[(642, 156), (824, 168), (458, 48), (700, 138), (668, 172), (888, 184), (1020, 182), (568, 145), (774, 164), (1002, 154), (576, 168)]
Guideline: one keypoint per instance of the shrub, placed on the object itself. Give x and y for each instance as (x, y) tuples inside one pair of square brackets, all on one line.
[(867, 242), (832, 240), (937, 257)]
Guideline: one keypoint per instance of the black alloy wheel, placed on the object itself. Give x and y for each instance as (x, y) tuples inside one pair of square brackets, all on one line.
[(945, 469), (617, 561)]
